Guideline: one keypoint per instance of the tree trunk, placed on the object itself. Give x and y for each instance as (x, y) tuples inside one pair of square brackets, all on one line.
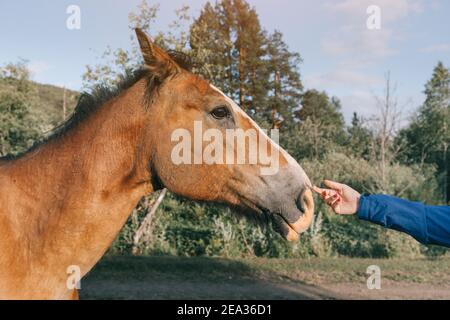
[(275, 92), (242, 55), (146, 223)]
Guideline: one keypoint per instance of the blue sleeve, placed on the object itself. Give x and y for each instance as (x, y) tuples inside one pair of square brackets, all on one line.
[(427, 224)]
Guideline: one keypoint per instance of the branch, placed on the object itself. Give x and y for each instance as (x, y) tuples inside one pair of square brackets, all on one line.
[(147, 220)]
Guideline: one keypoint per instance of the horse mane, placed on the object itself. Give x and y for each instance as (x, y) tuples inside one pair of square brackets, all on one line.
[(90, 101)]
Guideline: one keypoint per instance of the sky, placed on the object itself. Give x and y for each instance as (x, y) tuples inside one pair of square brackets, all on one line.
[(341, 55)]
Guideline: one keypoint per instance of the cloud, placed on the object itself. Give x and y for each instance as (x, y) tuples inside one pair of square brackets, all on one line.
[(361, 102), (390, 10), (360, 43), (364, 102), (356, 52), (442, 47), (341, 78), (351, 35)]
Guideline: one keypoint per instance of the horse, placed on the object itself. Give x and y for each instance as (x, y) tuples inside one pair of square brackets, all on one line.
[(63, 202)]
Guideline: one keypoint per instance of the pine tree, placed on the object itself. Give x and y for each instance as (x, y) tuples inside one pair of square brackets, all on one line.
[(211, 46), (359, 138), (229, 41), (321, 127), (252, 67), (284, 85), (427, 139), (318, 107)]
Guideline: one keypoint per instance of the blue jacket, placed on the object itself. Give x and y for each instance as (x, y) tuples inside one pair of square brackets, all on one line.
[(427, 224)]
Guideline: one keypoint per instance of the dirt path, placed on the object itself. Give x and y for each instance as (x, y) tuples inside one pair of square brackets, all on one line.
[(206, 278), (392, 291), (180, 289), (250, 289)]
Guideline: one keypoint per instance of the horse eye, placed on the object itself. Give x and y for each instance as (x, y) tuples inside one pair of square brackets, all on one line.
[(220, 112)]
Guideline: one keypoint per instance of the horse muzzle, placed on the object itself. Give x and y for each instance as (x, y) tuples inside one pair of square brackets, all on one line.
[(291, 221)]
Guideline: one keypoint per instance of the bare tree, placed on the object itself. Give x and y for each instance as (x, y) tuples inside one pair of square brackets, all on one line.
[(385, 127)]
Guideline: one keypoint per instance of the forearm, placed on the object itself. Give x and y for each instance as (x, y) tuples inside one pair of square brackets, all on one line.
[(427, 224)]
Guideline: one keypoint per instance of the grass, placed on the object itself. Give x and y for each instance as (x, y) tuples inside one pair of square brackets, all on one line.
[(336, 270), (314, 270)]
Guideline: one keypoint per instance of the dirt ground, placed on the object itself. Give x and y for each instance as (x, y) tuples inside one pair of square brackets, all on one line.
[(210, 278)]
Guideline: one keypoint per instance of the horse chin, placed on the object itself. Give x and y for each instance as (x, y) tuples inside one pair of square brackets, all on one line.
[(292, 230), (288, 221), (284, 228)]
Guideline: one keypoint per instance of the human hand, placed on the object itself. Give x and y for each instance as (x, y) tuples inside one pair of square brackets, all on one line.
[(340, 197)]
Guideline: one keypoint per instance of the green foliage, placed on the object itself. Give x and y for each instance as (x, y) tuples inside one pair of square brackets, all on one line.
[(27, 109), (18, 125), (427, 138), (359, 138), (250, 65)]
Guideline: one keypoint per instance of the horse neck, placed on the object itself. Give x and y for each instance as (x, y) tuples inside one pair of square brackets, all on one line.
[(74, 193)]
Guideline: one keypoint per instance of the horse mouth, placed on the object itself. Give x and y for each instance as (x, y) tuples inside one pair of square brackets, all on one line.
[(284, 228), (291, 231)]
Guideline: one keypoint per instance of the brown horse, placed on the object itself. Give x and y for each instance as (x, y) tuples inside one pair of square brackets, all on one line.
[(63, 202)]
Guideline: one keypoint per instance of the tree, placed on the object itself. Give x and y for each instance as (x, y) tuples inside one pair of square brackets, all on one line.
[(319, 107), (19, 126), (251, 66), (229, 37), (284, 86), (428, 136), (321, 127), (384, 128), (18, 70), (359, 138), (115, 63), (211, 45)]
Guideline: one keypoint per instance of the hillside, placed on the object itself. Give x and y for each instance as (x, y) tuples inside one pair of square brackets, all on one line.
[(45, 100), (51, 101)]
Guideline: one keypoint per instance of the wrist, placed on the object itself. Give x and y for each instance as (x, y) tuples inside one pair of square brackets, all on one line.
[(363, 206), (358, 199)]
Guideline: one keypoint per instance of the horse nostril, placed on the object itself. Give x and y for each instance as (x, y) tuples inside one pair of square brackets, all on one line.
[(305, 204)]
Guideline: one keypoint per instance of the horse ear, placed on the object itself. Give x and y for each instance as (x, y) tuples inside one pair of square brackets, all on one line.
[(156, 59)]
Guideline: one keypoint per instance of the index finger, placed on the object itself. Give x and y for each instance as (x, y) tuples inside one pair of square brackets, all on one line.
[(318, 190)]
